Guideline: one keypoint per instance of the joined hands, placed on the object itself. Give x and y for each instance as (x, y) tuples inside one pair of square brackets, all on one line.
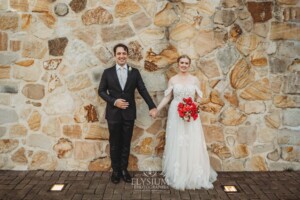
[(153, 113)]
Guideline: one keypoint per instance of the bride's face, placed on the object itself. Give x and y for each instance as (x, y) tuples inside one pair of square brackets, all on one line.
[(184, 65)]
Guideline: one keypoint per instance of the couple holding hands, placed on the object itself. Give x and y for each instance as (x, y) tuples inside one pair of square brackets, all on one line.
[(185, 161)]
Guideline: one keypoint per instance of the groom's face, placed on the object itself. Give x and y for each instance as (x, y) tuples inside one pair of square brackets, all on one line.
[(121, 56)]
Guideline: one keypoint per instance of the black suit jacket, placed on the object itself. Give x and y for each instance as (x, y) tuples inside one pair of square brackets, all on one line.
[(110, 90)]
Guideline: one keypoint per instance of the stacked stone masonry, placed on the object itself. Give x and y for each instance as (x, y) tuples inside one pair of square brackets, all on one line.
[(245, 53)]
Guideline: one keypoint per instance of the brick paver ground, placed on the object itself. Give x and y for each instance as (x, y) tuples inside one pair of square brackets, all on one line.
[(35, 185)]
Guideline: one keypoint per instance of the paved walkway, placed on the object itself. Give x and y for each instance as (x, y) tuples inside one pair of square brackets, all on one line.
[(35, 185)]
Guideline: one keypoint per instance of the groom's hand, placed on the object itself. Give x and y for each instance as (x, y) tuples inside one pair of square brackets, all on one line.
[(121, 103)]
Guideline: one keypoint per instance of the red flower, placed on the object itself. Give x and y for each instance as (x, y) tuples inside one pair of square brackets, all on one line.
[(188, 109)]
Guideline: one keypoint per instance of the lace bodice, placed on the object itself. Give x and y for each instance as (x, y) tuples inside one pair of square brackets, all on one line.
[(183, 91)]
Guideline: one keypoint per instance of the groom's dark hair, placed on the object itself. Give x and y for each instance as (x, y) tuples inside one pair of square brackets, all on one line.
[(120, 45)]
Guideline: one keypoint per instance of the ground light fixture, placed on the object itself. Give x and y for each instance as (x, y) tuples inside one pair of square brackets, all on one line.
[(58, 187), (230, 189)]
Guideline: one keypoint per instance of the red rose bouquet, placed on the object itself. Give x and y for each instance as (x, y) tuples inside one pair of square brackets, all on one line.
[(188, 109)]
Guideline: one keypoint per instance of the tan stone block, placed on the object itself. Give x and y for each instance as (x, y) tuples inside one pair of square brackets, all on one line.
[(210, 107), (221, 150), (285, 101), (63, 148), (152, 36), (256, 163), (273, 119), (232, 3), (155, 127), (15, 45), (215, 163), (17, 130), (230, 140), (48, 19), (87, 150), (19, 156), (8, 145), (246, 43), (96, 132), (291, 14), (34, 48), (156, 61), (274, 155), (42, 160), (276, 83), (225, 17), (145, 146), (259, 90), (137, 133), (213, 133), (161, 140), (9, 21), (100, 164), (34, 91), (207, 41), (72, 131), (232, 98), (253, 107), (209, 66), (259, 58), (182, 31), (232, 117), (126, 8), (233, 165), (284, 31), (54, 82), (246, 135), (166, 16), (26, 21), (20, 5), (241, 75), (133, 163), (290, 153), (78, 82), (141, 21), (288, 2), (4, 72), (42, 6), (52, 127), (98, 15), (3, 41), (34, 121), (241, 151), (25, 62)]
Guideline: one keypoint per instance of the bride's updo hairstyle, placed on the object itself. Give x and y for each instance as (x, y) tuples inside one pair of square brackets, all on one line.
[(184, 56)]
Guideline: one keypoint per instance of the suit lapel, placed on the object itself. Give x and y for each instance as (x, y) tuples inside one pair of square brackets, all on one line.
[(128, 76)]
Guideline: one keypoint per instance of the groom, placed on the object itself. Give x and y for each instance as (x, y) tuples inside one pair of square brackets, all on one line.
[(117, 88)]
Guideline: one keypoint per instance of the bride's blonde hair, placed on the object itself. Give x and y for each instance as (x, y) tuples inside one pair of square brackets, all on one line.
[(184, 56)]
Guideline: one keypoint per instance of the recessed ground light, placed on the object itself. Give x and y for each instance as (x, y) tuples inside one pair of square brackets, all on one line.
[(230, 188), (57, 187)]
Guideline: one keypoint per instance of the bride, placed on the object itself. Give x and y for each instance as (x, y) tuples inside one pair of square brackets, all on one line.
[(185, 161)]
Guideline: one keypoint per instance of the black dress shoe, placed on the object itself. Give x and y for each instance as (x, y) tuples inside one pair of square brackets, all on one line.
[(115, 177), (126, 176)]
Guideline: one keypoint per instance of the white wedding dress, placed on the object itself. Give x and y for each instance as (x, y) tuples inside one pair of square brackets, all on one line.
[(185, 161)]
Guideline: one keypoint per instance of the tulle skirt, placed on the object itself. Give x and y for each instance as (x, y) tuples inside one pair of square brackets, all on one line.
[(185, 161)]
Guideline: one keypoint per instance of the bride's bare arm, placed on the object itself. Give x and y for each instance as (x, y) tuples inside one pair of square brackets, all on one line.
[(166, 98), (199, 93)]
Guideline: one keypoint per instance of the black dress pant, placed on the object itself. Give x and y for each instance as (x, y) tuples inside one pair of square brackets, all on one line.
[(120, 133)]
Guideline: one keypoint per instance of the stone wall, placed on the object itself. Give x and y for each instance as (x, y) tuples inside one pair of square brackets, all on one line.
[(53, 52)]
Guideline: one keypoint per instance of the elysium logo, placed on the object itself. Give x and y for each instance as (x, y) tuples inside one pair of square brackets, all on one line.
[(149, 180)]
